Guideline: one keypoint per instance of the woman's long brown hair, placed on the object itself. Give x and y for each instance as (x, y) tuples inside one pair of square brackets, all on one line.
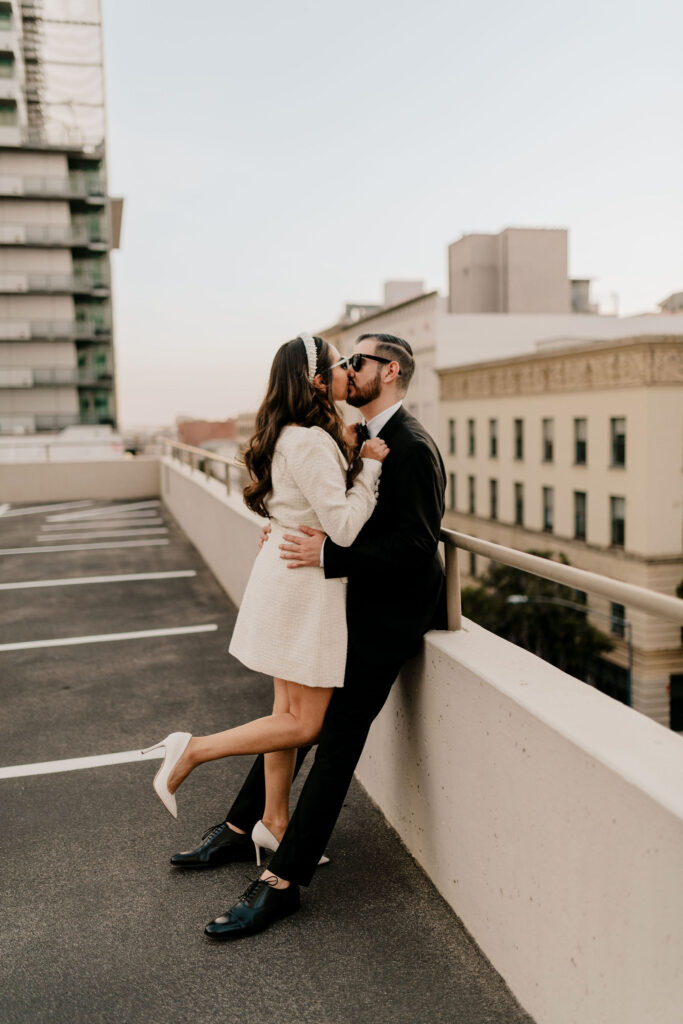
[(292, 398)]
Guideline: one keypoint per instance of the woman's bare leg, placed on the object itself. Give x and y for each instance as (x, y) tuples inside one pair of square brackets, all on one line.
[(297, 727), (279, 771)]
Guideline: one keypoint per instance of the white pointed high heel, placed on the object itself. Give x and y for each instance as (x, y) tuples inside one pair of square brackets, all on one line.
[(174, 747), (263, 839)]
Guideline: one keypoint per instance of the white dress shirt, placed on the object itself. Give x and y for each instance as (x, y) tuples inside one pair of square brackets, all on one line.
[(374, 426), (381, 419)]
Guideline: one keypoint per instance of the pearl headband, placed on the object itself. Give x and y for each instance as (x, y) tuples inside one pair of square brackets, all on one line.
[(311, 353)]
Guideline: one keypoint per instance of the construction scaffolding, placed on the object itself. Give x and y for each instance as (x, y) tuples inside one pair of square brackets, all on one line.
[(63, 66)]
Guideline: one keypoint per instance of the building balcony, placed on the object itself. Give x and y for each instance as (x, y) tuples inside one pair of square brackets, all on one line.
[(548, 819), (29, 423), (23, 378), (53, 284), (54, 138), (54, 236), (54, 330), (82, 185)]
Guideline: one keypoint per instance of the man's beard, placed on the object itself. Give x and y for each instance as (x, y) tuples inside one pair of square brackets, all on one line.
[(362, 396)]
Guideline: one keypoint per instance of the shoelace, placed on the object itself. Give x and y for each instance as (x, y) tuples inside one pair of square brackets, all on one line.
[(252, 889), (213, 830)]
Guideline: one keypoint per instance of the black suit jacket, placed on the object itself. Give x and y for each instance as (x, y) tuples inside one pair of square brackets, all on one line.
[(396, 589)]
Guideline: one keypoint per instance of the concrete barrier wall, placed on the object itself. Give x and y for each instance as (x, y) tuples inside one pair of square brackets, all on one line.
[(220, 526), (549, 816), (108, 480)]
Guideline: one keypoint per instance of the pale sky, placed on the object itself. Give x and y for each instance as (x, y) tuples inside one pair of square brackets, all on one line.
[(280, 159)]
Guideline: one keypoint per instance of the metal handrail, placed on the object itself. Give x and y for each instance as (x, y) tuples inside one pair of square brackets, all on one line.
[(208, 457), (645, 600)]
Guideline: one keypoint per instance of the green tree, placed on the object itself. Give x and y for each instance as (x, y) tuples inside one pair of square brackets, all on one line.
[(560, 635)]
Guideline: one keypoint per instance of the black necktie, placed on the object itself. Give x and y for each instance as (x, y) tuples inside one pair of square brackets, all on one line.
[(362, 433)]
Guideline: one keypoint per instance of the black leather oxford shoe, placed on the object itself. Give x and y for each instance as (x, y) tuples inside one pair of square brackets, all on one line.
[(257, 908), (220, 845)]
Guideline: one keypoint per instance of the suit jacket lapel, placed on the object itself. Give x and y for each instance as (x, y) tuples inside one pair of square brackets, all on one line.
[(392, 424)]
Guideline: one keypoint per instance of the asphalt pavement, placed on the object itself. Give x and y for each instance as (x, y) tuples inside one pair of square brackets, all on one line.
[(95, 925)]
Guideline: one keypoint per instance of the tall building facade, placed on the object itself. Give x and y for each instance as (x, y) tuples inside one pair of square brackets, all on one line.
[(580, 451), (57, 223)]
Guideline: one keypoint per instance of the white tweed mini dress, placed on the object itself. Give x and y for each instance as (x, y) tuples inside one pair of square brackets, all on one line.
[(292, 622)]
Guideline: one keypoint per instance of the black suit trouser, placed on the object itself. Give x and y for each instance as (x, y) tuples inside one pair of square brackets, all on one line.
[(350, 714)]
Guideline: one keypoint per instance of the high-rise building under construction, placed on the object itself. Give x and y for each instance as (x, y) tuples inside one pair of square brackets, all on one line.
[(57, 224)]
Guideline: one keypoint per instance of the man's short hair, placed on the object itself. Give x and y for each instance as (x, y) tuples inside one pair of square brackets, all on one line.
[(390, 347)]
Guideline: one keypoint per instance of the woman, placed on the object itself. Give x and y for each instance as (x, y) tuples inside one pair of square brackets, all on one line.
[(304, 471)]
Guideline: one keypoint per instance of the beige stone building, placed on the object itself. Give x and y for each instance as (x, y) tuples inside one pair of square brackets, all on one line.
[(245, 425), (57, 223), (442, 339), (580, 450)]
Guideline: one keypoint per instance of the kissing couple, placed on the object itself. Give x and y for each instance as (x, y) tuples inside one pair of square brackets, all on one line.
[(347, 581)]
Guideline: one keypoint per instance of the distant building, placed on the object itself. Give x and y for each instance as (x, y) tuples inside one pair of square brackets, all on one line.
[(674, 303), (57, 223), (519, 270), (198, 432), (245, 427), (580, 450), (441, 337)]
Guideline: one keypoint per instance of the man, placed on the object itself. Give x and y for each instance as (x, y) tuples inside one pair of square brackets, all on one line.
[(396, 592)]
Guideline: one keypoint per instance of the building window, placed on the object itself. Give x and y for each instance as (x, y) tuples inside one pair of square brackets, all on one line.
[(519, 439), (548, 437), (519, 504), (580, 515), (473, 564), (6, 64), (471, 495), (617, 514), (618, 614), (618, 441), (8, 112), (493, 438), (451, 490), (470, 437), (580, 442), (5, 16), (451, 437), (493, 498), (548, 509)]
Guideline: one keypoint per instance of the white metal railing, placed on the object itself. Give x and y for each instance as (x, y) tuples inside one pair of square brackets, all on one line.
[(645, 600), (192, 456)]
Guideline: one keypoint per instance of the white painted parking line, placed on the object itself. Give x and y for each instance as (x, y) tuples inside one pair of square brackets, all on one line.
[(18, 771), (4, 508), (104, 509), (104, 546), (75, 581), (102, 533), (107, 513), (103, 638), (95, 524), (36, 510), (113, 513)]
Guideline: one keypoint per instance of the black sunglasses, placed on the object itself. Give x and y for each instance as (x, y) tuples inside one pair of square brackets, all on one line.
[(356, 361)]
